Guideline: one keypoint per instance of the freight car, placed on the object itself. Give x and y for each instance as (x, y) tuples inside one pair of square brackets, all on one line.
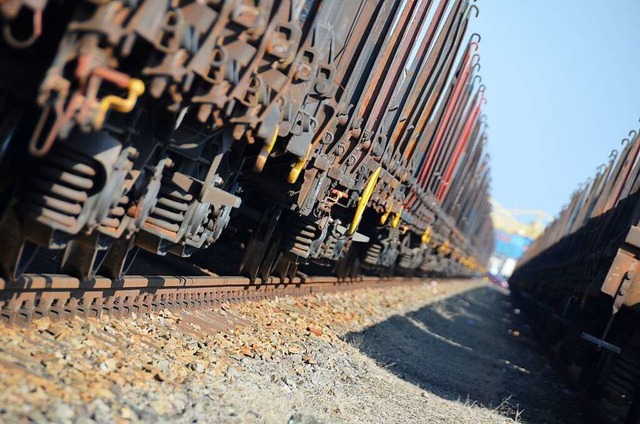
[(347, 134), (580, 280)]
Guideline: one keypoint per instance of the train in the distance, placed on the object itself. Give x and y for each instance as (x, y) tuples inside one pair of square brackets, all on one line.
[(346, 134), (580, 282)]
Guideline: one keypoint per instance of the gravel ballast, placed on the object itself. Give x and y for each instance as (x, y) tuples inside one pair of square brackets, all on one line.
[(442, 352)]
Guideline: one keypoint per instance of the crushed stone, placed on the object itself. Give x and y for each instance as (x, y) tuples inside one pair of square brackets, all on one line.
[(290, 360)]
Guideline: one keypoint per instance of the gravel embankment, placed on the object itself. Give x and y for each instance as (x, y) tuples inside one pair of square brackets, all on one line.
[(384, 355)]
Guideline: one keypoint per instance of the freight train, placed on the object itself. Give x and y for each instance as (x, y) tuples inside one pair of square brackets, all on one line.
[(344, 134), (580, 278)]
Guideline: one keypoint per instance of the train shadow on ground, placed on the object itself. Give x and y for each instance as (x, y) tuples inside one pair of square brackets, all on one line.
[(474, 348)]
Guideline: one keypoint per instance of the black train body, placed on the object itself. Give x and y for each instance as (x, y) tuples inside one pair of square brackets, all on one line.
[(580, 280), (345, 134)]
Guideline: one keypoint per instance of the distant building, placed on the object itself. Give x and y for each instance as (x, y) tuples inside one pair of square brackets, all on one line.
[(513, 236)]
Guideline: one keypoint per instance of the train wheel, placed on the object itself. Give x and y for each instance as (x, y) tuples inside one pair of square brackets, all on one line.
[(260, 244), (354, 266), (16, 253), (286, 267), (119, 258), (349, 266), (269, 261), (83, 256)]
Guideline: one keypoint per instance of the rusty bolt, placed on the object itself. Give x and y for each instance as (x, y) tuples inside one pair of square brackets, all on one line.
[(321, 87), (304, 71)]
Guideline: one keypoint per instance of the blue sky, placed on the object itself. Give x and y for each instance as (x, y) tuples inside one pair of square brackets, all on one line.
[(563, 89)]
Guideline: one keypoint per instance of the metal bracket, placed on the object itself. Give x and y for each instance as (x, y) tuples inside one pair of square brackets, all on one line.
[(601, 343), (621, 280), (219, 197)]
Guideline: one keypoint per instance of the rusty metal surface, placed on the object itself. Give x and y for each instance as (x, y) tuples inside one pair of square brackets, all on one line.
[(63, 297), (346, 135)]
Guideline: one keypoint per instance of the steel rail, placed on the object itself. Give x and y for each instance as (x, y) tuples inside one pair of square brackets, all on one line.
[(63, 297)]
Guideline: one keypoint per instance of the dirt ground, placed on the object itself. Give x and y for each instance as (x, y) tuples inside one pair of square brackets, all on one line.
[(441, 352)]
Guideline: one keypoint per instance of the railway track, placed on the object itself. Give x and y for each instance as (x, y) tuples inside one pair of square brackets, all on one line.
[(63, 297)]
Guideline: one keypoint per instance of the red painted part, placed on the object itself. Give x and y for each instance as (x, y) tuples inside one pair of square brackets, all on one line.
[(427, 166), (433, 150), (464, 139)]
